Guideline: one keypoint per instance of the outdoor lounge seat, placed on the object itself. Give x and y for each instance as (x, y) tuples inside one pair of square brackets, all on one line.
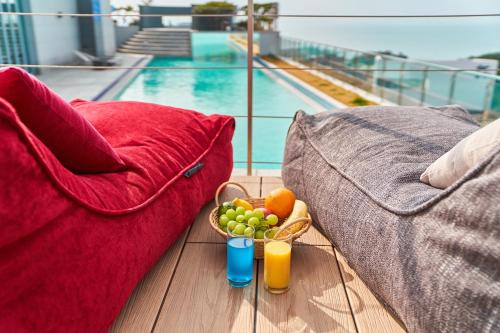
[(74, 245), (431, 255)]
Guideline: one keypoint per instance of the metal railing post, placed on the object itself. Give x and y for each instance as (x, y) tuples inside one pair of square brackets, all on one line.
[(452, 88), (424, 80), (487, 101), (382, 79), (249, 85), (401, 82)]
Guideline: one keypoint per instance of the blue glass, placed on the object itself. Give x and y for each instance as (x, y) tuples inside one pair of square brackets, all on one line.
[(239, 261)]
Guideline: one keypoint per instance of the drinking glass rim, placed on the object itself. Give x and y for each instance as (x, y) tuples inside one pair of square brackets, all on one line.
[(288, 237), (230, 233)]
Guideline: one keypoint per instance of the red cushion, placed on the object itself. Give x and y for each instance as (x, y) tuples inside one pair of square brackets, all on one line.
[(71, 138), (73, 247)]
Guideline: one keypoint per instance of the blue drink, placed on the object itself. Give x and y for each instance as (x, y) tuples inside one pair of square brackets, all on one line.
[(239, 261)]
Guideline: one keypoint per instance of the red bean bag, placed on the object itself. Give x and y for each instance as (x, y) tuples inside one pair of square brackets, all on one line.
[(73, 247), (71, 138)]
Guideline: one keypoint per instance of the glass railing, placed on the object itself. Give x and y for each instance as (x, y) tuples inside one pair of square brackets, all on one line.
[(398, 80)]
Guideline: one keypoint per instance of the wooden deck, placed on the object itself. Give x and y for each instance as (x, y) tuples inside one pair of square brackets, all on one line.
[(187, 290)]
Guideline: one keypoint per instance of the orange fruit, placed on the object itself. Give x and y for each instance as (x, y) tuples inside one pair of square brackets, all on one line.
[(280, 201)]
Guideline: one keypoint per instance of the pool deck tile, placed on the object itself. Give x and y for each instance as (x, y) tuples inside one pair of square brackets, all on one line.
[(86, 83)]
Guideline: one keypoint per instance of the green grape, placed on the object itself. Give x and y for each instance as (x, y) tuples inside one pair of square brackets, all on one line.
[(248, 215), (224, 228), (239, 229), (231, 213), (223, 220), (263, 227), (258, 213), (240, 211), (224, 207), (272, 219), (272, 232), (249, 231), (253, 222), (240, 218), (259, 234), (231, 225)]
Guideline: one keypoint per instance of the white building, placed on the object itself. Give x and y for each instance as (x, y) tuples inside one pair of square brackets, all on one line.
[(50, 40)]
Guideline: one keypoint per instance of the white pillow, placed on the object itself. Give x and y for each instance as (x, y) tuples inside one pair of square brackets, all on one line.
[(454, 164)]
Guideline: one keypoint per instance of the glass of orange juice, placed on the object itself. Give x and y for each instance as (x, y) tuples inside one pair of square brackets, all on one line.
[(277, 257)]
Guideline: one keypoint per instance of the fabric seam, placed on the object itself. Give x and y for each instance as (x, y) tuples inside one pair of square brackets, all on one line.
[(429, 203), (107, 211)]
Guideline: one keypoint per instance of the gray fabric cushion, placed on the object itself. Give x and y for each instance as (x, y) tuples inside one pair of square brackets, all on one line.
[(431, 255)]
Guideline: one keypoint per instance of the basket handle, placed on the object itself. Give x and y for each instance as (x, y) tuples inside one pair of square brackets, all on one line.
[(296, 221), (223, 185)]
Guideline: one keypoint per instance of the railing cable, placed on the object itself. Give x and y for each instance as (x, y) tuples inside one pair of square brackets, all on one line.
[(245, 67), (396, 16)]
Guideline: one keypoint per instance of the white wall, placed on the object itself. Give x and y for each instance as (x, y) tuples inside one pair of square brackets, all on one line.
[(108, 30), (56, 38)]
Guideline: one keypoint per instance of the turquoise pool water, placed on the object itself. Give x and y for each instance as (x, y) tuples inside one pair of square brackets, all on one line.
[(223, 91)]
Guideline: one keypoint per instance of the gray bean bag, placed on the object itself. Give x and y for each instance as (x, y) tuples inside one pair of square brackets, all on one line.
[(431, 255)]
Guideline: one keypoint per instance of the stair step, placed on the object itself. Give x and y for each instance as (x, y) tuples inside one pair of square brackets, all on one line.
[(167, 42), (149, 34), (161, 42), (180, 54), (173, 40), (127, 46)]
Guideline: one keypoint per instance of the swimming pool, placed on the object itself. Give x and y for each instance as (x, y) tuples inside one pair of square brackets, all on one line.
[(223, 91)]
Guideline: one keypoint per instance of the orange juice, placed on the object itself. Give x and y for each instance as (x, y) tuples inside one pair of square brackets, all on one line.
[(277, 255)]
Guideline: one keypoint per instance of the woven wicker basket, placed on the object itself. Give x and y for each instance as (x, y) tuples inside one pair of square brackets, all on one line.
[(256, 203)]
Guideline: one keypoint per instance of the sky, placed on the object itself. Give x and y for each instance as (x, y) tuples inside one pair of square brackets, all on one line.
[(428, 38)]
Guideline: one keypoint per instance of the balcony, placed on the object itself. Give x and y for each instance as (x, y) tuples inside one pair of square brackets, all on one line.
[(261, 78)]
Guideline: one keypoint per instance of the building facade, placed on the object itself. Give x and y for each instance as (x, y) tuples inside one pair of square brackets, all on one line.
[(52, 40)]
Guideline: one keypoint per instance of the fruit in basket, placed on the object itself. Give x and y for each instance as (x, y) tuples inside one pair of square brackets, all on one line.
[(223, 220), (272, 232), (225, 206), (272, 219), (239, 229), (299, 210), (231, 213), (231, 225), (248, 215), (240, 219), (263, 226), (240, 210), (266, 211), (280, 201), (259, 234), (242, 203), (258, 213), (253, 222), (249, 232)]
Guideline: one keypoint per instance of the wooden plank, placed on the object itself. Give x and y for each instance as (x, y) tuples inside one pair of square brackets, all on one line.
[(200, 299), (370, 315), (201, 232), (316, 301), (313, 236), (272, 180), (245, 179), (140, 312)]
